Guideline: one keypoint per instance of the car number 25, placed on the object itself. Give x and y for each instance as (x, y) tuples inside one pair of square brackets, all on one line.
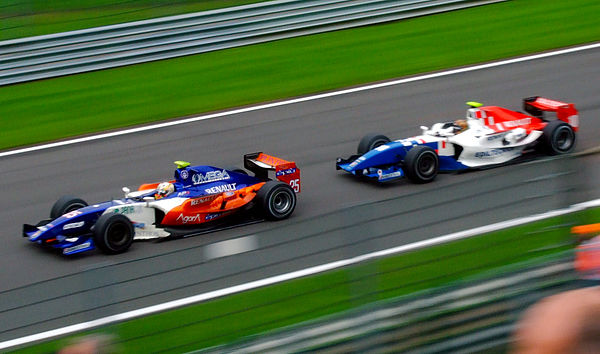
[(295, 184)]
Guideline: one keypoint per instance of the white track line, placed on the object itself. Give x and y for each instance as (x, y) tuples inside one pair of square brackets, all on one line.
[(289, 276), (301, 99)]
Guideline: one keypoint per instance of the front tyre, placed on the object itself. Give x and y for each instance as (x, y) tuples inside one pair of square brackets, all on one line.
[(370, 142), (421, 164), (559, 138), (66, 204), (113, 233), (276, 200)]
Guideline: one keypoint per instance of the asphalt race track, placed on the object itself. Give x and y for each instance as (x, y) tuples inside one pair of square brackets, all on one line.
[(313, 134)]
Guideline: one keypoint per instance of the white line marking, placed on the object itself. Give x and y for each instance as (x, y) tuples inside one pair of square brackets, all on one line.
[(231, 247), (301, 99), (289, 276)]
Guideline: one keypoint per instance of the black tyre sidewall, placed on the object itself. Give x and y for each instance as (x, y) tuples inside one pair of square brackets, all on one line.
[(371, 141), (66, 204), (551, 134), (105, 225), (268, 196), (414, 158)]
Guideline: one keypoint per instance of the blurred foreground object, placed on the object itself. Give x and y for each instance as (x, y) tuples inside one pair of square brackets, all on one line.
[(564, 323), (92, 344), (587, 255)]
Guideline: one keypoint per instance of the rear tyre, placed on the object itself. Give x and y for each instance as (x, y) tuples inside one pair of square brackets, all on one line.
[(65, 204), (113, 233), (559, 138), (421, 164), (370, 142), (276, 200)]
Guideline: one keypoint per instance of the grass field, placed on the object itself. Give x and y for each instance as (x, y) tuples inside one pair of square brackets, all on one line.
[(24, 18), (236, 316), (86, 103)]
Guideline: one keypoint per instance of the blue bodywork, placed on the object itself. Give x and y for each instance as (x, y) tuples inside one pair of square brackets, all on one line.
[(384, 163), (73, 232)]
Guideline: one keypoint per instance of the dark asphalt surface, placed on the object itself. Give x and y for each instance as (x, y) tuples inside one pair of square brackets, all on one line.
[(40, 290)]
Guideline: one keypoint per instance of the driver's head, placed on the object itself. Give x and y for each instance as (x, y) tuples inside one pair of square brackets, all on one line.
[(164, 189), (461, 124)]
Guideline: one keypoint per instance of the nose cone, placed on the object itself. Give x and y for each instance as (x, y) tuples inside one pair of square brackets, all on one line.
[(389, 154)]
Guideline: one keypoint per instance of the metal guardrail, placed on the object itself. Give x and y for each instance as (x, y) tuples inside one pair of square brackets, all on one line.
[(99, 48), (475, 317)]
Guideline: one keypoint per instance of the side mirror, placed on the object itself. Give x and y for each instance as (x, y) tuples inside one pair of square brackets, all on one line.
[(126, 191)]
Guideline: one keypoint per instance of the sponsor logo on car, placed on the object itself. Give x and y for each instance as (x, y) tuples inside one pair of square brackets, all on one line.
[(492, 153), (382, 176), (72, 214), (202, 200), (288, 171), (125, 210), (185, 219), (78, 247), (211, 176), (73, 225), (496, 136), (516, 123), (184, 174), (221, 189), (382, 147), (357, 161), (212, 216)]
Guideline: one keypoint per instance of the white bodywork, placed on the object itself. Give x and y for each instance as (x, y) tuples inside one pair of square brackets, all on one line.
[(481, 145), (142, 214)]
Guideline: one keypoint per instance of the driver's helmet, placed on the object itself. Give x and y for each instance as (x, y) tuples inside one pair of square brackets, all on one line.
[(164, 189), (461, 125)]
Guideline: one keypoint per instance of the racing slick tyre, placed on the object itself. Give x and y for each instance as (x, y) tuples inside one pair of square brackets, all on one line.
[(421, 164), (370, 142), (113, 233), (559, 138), (276, 200), (65, 204)]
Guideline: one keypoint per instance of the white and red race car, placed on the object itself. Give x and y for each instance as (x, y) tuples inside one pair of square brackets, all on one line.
[(489, 135)]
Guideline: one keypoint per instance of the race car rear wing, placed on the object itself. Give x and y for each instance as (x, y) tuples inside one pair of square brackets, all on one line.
[(285, 171), (536, 106)]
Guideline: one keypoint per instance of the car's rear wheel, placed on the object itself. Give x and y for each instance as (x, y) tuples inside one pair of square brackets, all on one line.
[(559, 138), (276, 200), (66, 204), (113, 233), (421, 164), (371, 141)]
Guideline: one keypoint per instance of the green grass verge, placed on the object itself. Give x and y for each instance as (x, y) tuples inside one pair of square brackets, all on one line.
[(87, 103), (24, 18), (233, 317)]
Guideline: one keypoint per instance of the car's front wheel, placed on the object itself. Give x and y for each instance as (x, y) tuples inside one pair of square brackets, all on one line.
[(421, 164), (371, 141), (113, 233), (66, 204)]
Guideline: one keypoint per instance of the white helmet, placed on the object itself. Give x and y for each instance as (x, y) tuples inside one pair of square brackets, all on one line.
[(164, 189)]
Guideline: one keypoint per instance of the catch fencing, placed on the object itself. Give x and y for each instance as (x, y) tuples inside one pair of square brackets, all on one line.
[(477, 316), (105, 47)]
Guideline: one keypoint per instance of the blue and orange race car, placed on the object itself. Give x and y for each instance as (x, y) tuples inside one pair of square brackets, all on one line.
[(199, 199)]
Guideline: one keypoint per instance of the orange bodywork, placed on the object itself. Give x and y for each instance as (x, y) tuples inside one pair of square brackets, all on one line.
[(210, 207), (148, 186)]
